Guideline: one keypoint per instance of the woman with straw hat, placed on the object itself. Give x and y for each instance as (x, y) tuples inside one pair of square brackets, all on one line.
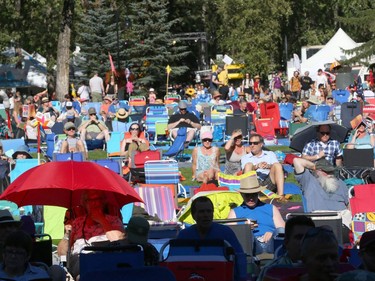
[(267, 216)]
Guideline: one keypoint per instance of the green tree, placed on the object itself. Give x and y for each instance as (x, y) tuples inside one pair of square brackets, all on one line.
[(152, 46), (251, 31), (361, 18)]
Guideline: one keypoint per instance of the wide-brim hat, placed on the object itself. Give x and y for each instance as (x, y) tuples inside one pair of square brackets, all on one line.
[(216, 94), (7, 218), (324, 165), (256, 77), (250, 184), (314, 100), (122, 113), (108, 98), (357, 121), (23, 149)]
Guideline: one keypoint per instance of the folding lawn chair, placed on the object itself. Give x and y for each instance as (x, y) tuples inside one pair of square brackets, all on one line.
[(341, 96), (265, 128), (237, 122), (112, 164), (363, 209), (219, 114), (357, 162), (271, 110), (161, 133), (205, 258), (11, 144), (154, 114), (164, 172), (319, 112), (349, 110), (76, 156), (171, 98), (137, 101), (113, 146), (158, 202), (22, 165), (286, 110), (138, 161)]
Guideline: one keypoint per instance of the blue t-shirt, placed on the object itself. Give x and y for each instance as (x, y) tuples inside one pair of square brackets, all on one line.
[(217, 231), (262, 213)]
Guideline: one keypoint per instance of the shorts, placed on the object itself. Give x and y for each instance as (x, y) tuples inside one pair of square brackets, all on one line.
[(268, 183)]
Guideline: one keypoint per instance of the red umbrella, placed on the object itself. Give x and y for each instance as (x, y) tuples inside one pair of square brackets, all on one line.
[(62, 184)]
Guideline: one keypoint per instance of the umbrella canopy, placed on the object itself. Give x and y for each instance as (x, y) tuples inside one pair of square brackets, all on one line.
[(306, 134), (62, 184)]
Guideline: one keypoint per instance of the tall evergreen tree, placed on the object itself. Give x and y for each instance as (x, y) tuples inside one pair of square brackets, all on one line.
[(153, 46), (98, 37)]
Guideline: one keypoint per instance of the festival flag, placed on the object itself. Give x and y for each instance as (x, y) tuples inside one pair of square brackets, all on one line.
[(113, 69), (169, 69)]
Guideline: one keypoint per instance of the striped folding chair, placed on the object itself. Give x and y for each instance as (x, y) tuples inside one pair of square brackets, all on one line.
[(164, 172)]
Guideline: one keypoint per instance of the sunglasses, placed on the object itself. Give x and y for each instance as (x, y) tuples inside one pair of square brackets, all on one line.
[(325, 133), (71, 129), (92, 114), (254, 142), (183, 109), (134, 129), (207, 140)]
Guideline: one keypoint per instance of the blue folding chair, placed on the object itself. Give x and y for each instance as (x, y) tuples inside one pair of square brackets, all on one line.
[(112, 164), (76, 156), (22, 165), (11, 145), (341, 96)]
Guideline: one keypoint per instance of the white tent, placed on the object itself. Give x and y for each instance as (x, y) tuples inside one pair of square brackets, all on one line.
[(333, 50)]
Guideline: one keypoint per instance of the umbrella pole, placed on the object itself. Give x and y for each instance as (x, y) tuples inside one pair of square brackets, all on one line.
[(38, 144)]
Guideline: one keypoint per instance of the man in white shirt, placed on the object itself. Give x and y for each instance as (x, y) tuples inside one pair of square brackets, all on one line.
[(97, 88), (321, 79)]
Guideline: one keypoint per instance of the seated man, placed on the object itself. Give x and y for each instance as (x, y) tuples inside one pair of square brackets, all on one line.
[(202, 211), (321, 188), (184, 119), (16, 255), (71, 143), (295, 228), (93, 129), (267, 216), (323, 147), (269, 171)]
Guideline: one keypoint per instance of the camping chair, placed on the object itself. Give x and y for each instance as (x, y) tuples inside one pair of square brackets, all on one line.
[(96, 259), (42, 249), (362, 208), (137, 163), (265, 128), (137, 101), (158, 202), (164, 172), (171, 98), (112, 164), (119, 127), (357, 162), (11, 145), (341, 96), (286, 110), (146, 273), (333, 219), (237, 122), (161, 132), (76, 156), (219, 114), (320, 112), (178, 144), (349, 110), (207, 258), (271, 110), (22, 165), (155, 113), (113, 146)]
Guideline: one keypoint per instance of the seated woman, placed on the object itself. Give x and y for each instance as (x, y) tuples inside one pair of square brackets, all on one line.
[(134, 140), (94, 226), (361, 137), (299, 113), (205, 162), (267, 216), (234, 150)]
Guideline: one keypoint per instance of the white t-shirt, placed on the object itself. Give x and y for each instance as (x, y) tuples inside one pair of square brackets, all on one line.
[(84, 92), (96, 84), (321, 79)]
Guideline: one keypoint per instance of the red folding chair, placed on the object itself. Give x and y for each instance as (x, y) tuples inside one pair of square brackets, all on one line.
[(271, 110)]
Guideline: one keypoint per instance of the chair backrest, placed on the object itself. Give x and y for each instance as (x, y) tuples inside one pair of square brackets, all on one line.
[(76, 156), (137, 101), (361, 157), (22, 165), (120, 127), (110, 258), (349, 110), (42, 249), (112, 164), (155, 273), (56, 104), (237, 122), (270, 110), (286, 110), (265, 127), (162, 172), (139, 159), (171, 98), (155, 113), (114, 143), (158, 201), (341, 96), (320, 112), (12, 144), (333, 219)]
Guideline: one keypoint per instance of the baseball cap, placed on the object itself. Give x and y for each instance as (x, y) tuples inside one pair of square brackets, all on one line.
[(206, 135), (182, 104), (92, 110), (69, 104), (324, 165), (69, 125)]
